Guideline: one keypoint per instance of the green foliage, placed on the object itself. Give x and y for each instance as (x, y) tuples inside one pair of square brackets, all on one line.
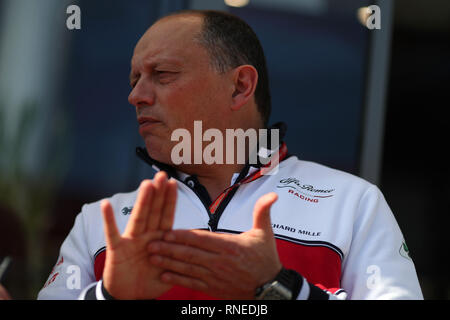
[(30, 195)]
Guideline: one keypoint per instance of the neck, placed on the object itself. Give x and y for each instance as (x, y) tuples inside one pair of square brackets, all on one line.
[(215, 178)]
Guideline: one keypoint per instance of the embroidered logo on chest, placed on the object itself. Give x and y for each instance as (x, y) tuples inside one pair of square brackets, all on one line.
[(303, 191)]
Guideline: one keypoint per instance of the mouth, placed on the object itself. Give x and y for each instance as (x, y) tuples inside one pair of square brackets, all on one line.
[(143, 120), (146, 122)]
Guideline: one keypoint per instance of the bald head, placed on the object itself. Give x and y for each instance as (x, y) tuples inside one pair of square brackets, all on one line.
[(184, 25), (170, 30)]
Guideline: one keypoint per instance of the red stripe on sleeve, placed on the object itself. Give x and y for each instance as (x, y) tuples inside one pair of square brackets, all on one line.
[(99, 264), (319, 265)]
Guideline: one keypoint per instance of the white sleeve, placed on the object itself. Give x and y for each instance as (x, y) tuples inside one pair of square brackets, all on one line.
[(378, 265), (74, 268)]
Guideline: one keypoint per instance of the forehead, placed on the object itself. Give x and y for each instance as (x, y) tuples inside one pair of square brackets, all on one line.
[(169, 39)]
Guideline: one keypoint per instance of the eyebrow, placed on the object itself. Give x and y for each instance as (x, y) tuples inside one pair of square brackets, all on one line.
[(154, 64)]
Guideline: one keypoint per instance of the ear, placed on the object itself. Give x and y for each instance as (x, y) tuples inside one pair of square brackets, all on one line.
[(245, 78)]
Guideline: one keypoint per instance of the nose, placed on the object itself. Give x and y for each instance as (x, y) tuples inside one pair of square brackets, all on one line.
[(142, 94)]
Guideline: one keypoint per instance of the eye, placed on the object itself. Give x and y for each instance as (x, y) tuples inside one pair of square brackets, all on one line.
[(134, 80), (165, 77)]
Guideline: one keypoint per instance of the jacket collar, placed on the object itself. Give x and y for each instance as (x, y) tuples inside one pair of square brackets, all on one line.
[(173, 173)]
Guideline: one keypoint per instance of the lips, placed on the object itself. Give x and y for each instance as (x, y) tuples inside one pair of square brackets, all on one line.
[(144, 120), (147, 122)]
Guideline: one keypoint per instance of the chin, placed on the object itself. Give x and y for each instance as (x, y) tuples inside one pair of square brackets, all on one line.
[(159, 151)]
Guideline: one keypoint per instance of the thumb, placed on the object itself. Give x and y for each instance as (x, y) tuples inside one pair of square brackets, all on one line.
[(261, 211)]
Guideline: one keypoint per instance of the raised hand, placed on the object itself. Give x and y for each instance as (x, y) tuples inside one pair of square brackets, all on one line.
[(222, 265), (127, 273)]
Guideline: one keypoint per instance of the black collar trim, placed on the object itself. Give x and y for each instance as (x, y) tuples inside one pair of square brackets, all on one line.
[(172, 172)]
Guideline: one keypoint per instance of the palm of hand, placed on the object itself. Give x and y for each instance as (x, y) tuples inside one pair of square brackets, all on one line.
[(128, 273)]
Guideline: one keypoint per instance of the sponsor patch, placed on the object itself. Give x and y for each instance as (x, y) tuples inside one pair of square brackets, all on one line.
[(304, 191)]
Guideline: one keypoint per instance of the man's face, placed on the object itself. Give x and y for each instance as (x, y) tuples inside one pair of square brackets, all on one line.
[(174, 84)]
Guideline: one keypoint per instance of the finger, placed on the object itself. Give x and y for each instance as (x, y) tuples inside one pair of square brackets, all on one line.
[(187, 269), (159, 183), (112, 234), (205, 240), (184, 281), (141, 209), (184, 253), (261, 211), (168, 211)]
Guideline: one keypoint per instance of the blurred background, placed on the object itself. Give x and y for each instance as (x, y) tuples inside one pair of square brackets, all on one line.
[(370, 102)]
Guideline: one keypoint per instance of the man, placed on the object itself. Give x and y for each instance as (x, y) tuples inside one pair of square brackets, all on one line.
[(302, 231)]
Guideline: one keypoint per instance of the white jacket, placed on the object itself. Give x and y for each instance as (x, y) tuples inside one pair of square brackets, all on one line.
[(334, 228)]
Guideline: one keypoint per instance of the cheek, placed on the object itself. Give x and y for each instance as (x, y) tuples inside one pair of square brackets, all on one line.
[(180, 109), (186, 103)]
